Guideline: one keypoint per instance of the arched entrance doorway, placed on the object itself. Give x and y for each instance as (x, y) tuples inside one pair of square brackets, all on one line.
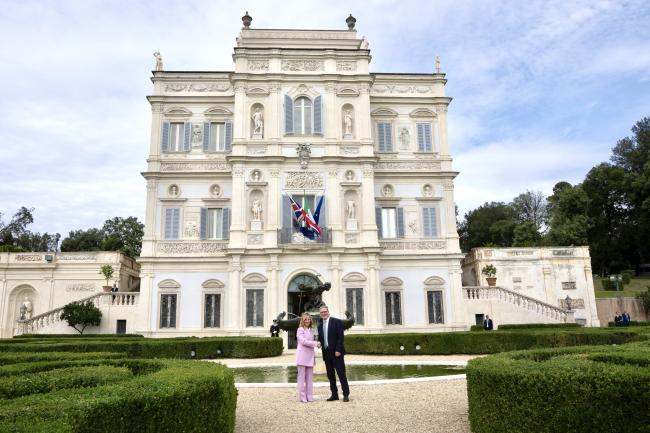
[(295, 301)]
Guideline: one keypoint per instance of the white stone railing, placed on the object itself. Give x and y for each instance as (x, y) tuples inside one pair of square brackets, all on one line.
[(118, 299), (517, 299)]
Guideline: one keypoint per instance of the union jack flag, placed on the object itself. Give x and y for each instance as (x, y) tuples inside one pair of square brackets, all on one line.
[(308, 223)]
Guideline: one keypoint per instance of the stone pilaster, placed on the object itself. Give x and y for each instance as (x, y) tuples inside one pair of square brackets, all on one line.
[(441, 110), (368, 224), (235, 314), (149, 238), (374, 301), (156, 130), (238, 208)]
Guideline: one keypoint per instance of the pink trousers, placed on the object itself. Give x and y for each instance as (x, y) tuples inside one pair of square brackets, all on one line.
[(305, 383)]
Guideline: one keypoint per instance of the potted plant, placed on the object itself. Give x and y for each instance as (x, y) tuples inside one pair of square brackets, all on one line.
[(490, 273), (107, 272)]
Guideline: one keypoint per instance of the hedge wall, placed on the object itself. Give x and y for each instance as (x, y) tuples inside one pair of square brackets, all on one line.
[(212, 347), (118, 395), (632, 323), (540, 326), (447, 343), (579, 389)]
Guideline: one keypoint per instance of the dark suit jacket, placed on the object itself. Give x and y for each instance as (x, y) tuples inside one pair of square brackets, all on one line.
[(487, 325), (334, 335)]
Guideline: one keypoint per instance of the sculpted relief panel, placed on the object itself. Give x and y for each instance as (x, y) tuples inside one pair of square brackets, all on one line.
[(195, 166), (302, 65), (198, 87), (303, 179)]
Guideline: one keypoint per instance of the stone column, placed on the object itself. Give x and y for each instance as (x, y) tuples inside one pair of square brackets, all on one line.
[(331, 117), (235, 312), (368, 225), (363, 128), (334, 211), (240, 115), (459, 307), (156, 130), (146, 301), (149, 238), (272, 114), (273, 221), (238, 208), (449, 212), (548, 285), (441, 110), (374, 302), (591, 298), (273, 290), (4, 332), (336, 300)]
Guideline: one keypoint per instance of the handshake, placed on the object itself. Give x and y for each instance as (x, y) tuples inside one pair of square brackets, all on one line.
[(318, 344)]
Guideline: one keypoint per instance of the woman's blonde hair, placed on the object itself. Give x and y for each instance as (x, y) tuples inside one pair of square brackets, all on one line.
[(302, 320)]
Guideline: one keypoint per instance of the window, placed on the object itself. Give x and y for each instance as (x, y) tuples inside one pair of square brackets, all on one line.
[(434, 306), (393, 308), (354, 304), (212, 316), (255, 307), (390, 222), (424, 137), (302, 116), (217, 137), (384, 137), (215, 223), (175, 137), (430, 222), (167, 311), (172, 223)]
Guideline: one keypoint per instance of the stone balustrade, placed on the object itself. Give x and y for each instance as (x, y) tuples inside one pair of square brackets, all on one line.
[(522, 301), (118, 299)]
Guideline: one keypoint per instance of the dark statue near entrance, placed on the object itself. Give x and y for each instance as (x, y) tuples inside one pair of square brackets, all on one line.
[(311, 299)]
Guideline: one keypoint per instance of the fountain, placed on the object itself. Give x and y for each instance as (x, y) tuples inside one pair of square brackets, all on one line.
[(313, 301)]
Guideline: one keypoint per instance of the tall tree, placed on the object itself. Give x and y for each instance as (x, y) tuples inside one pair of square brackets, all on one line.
[(568, 220), (124, 234), (531, 207), (14, 235), (490, 224), (83, 240)]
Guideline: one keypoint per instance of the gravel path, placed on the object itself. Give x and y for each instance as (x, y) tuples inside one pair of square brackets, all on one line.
[(431, 407)]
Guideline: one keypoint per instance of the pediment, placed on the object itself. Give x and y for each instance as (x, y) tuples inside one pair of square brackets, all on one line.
[(353, 277), (383, 111), (302, 90), (213, 283), (257, 91), (177, 111), (169, 284), (392, 282), (422, 112), (254, 278), (347, 91), (217, 111), (434, 281)]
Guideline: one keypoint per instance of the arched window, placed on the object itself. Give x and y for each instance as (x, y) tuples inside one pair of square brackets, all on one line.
[(307, 280), (302, 115)]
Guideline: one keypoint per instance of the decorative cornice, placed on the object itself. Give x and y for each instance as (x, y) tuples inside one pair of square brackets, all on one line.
[(412, 245), (407, 166), (198, 87), (195, 166)]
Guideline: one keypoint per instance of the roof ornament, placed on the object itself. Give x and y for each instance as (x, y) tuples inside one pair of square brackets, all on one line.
[(246, 19), (350, 22), (437, 64)]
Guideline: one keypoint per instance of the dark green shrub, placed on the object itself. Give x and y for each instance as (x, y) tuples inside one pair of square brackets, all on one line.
[(446, 343), (476, 328), (632, 323), (627, 277), (63, 336), (539, 326), (579, 389), (606, 284)]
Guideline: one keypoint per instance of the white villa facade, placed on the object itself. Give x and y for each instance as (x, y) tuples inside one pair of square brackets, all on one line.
[(300, 116)]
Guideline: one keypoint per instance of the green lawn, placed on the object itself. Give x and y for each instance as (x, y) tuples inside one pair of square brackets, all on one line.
[(636, 286)]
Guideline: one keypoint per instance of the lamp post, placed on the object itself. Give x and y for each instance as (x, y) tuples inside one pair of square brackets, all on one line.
[(568, 302), (616, 278)]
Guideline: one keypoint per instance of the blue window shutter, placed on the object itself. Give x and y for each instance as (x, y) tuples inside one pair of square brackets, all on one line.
[(288, 115), (427, 138), (426, 222), (420, 129), (381, 142), (378, 221), (206, 136), (389, 137), (176, 223), (164, 137), (318, 115), (400, 222), (434, 222), (228, 144), (168, 223), (204, 223), (187, 142), (226, 223)]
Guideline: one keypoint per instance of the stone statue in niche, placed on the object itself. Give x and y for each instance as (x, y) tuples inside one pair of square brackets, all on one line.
[(26, 309), (256, 208), (197, 135), (347, 121), (427, 191), (159, 63), (351, 209), (388, 191), (349, 175), (404, 138), (258, 122), (173, 190), (256, 176), (215, 190)]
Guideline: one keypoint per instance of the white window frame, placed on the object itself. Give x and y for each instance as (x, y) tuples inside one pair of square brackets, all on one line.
[(164, 223), (352, 310), (442, 304), (424, 146), (177, 139), (399, 293), (160, 310), (256, 307), (303, 116), (218, 133), (205, 294), (388, 231), (391, 148), (216, 231), (436, 226)]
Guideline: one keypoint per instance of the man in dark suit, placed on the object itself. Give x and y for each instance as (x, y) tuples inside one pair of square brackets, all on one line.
[(330, 335), (487, 324)]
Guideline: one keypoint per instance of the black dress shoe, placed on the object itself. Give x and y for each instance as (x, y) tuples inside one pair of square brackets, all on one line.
[(333, 398), (346, 398)]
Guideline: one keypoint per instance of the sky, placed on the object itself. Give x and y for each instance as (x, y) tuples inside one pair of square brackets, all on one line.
[(542, 90)]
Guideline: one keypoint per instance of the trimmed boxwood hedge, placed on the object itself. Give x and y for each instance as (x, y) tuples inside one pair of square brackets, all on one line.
[(447, 343), (539, 326), (578, 389), (632, 323), (123, 395), (210, 347)]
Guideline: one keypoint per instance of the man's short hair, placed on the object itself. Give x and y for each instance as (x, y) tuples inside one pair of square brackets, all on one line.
[(324, 306)]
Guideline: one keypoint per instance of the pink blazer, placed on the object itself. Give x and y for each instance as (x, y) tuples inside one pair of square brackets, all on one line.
[(305, 353)]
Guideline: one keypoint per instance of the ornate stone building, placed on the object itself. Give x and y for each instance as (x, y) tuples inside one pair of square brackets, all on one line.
[(300, 116)]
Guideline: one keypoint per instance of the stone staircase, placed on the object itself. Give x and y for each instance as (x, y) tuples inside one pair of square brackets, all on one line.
[(103, 301), (521, 303)]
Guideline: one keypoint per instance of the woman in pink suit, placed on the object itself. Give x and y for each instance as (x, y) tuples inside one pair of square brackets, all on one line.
[(305, 359)]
